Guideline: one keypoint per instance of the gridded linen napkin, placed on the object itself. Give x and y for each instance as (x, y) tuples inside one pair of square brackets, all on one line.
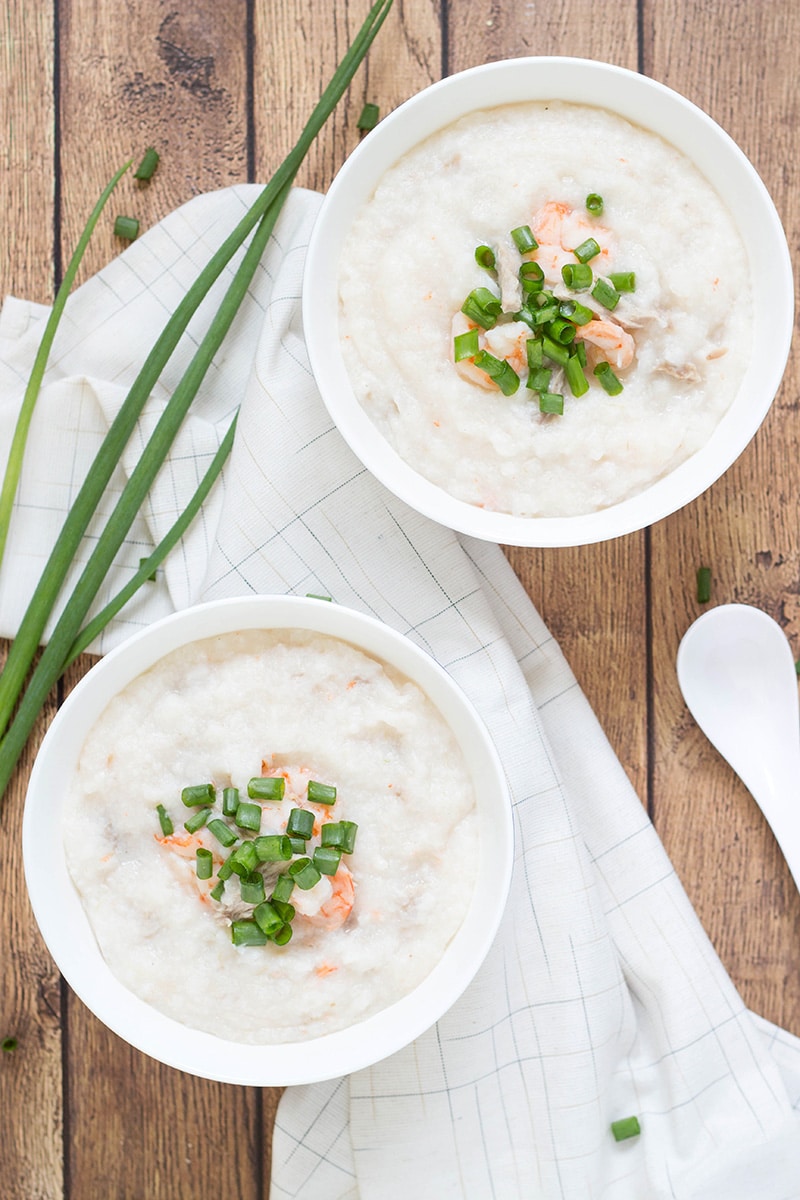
[(601, 997)]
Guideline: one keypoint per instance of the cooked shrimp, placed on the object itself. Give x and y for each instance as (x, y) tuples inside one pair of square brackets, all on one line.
[(503, 341), (329, 903), (616, 345), (558, 229)]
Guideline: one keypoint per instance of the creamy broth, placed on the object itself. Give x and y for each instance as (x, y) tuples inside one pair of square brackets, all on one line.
[(409, 263), (278, 704)]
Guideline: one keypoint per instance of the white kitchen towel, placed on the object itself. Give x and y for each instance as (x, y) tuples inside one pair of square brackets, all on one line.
[(601, 997)]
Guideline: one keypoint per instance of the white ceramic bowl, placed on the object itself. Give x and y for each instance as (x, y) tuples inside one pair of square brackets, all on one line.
[(645, 103), (64, 924)]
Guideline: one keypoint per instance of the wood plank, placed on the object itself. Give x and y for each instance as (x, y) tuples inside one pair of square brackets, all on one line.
[(297, 46), (174, 77), (746, 527), (591, 597), (30, 1077)]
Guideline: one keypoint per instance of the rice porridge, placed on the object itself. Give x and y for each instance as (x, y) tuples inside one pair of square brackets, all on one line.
[(273, 835), (582, 386)]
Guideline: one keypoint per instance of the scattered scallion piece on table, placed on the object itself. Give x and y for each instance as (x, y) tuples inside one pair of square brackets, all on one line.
[(147, 166), (321, 793), (9, 1045), (594, 204), (626, 1127), (315, 596), (263, 214), (20, 437), (165, 821), (126, 228), (485, 257), (703, 585), (370, 115), (608, 379), (267, 787)]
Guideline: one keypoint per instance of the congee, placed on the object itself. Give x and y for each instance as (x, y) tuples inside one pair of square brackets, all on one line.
[(273, 834), (544, 308)]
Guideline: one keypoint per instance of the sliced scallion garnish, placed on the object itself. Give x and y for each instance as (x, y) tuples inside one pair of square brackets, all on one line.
[(608, 379), (284, 886), (703, 585), (230, 801), (204, 862), (321, 793), (485, 257), (198, 793), (523, 239), (626, 1127), (605, 294), (326, 859), (552, 403), (126, 228), (304, 873), (300, 823), (370, 115), (594, 204), (577, 276), (623, 281), (251, 888), (147, 166), (578, 383), (267, 787), (587, 250), (482, 307), (222, 832), (499, 371), (579, 314), (273, 847), (248, 816), (465, 345), (165, 821), (197, 820), (247, 933)]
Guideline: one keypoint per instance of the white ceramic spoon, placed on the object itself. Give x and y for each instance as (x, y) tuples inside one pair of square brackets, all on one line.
[(737, 675)]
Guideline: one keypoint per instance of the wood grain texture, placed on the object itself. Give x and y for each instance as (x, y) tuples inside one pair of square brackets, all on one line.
[(740, 70), (31, 1160)]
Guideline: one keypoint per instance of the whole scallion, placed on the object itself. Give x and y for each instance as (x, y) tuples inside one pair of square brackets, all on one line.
[(263, 213)]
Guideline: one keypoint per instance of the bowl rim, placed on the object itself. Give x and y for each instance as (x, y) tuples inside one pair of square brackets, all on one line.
[(624, 92), (65, 926)]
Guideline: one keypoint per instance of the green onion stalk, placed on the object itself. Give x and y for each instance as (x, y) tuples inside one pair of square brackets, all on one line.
[(66, 634)]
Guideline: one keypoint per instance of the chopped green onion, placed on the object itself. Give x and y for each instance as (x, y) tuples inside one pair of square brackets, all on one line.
[(230, 801), (579, 314), (284, 910), (298, 845), (577, 276), (222, 832), (9, 1045), (273, 847), (148, 164), (314, 596), (198, 793), (587, 250), (605, 294), (580, 352), (127, 228), (284, 886), (608, 379), (251, 888), (226, 870), (267, 918), (531, 276), (539, 380), (594, 204), (623, 281), (304, 873), (499, 371), (321, 793), (626, 1127), (555, 352), (484, 257), (204, 863), (326, 859), (300, 823), (218, 890), (546, 313), (482, 307), (348, 836), (551, 402), (533, 353), (165, 821), (523, 239), (266, 787), (576, 379), (465, 345), (248, 816), (283, 935), (247, 933), (243, 860), (561, 331), (197, 820), (703, 585), (370, 115)]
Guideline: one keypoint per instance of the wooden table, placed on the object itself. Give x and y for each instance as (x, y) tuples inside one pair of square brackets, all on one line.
[(222, 90)]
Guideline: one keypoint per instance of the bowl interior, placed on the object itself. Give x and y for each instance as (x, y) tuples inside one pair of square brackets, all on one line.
[(645, 103), (66, 929)]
